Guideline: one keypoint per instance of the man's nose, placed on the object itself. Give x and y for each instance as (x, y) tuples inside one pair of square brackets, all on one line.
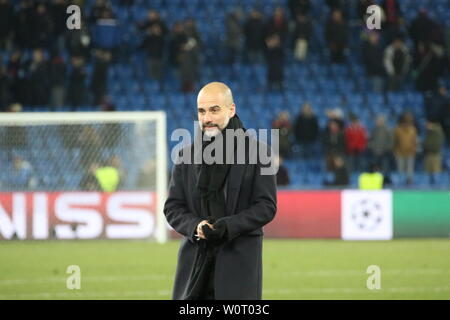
[(207, 117)]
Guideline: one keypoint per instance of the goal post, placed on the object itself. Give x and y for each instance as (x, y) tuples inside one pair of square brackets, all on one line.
[(73, 152)]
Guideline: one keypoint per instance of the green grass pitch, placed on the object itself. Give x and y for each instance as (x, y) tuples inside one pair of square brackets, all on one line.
[(293, 269)]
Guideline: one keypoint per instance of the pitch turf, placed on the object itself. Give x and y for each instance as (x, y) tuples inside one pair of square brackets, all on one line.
[(293, 269)]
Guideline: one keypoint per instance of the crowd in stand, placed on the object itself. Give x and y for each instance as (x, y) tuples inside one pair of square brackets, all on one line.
[(40, 27), (349, 148)]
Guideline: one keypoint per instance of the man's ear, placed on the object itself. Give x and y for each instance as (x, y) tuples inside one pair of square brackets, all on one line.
[(232, 110)]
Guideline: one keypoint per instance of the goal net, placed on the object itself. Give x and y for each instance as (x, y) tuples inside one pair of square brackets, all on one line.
[(83, 175)]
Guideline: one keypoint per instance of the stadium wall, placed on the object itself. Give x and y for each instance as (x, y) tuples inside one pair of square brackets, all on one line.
[(345, 214)]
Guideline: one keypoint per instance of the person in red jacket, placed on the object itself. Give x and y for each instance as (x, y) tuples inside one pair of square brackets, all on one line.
[(356, 143)]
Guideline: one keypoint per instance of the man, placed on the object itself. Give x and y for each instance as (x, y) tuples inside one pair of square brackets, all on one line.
[(372, 54), (219, 209), (396, 63), (336, 35), (371, 180)]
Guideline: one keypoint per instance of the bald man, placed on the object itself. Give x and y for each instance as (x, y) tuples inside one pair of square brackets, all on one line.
[(220, 207)]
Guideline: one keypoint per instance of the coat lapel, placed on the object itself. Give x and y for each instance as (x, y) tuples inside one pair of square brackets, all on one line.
[(235, 177)]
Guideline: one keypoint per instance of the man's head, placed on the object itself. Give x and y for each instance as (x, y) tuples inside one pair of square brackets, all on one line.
[(336, 15), (307, 109), (374, 38), (153, 15), (215, 107), (398, 42), (338, 161), (380, 121), (353, 118), (278, 13), (38, 55)]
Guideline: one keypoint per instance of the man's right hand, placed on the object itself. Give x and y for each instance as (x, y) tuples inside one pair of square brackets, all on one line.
[(200, 234)]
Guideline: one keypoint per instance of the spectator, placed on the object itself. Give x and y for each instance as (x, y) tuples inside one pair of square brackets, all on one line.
[(39, 80), (278, 25), (99, 81), (306, 130), (110, 175), (153, 18), (421, 28), (23, 25), (90, 144), (42, 27), (190, 27), (22, 175), (381, 144), (4, 90), (356, 143), (371, 180), (297, 7), (284, 126), (76, 93), (282, 173), (78, 42), (336, 115), (301, 35), (177, 39), (427, 66), (14, 136), (254, 37), (57, 76), (362, 9), (233, 36), (396, 63), (405, 145), (441, 110), (432, 147), (58, 16), (393, 19), (333, 143), (89, 181), (17, 75), (373, 61), (154, 45), (275, 62), (189, 63), (190, 57), (340, 173), (106, 32), (97, 10), (6, 24), (336, 35)]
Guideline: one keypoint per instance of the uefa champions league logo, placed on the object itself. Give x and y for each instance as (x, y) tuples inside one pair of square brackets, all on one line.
[(367, 215)]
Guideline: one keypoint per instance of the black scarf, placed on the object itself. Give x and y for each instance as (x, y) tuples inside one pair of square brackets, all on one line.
[(210, 183)]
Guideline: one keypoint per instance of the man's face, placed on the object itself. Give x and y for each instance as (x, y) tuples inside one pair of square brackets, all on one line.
[(213, 113)]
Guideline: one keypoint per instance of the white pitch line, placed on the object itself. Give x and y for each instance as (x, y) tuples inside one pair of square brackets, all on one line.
[(7, 282), (317, 273), (360, 272), (77, 294), (358, 290)]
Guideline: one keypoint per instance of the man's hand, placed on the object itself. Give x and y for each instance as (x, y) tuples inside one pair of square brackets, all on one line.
[(200, 234), (217, 234)]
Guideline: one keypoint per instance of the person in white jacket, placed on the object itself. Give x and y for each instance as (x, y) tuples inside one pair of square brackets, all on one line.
[(397, 60)]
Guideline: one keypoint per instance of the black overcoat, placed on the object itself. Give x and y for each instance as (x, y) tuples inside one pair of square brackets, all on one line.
[(250, 204)]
